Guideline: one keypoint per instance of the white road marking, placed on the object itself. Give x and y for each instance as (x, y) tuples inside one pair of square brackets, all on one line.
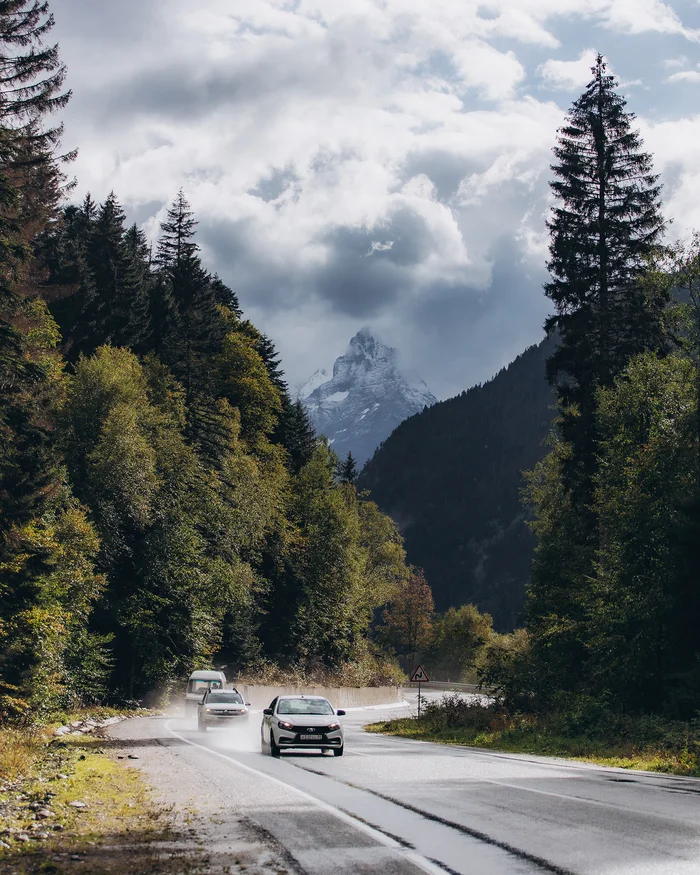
[(415, 858)]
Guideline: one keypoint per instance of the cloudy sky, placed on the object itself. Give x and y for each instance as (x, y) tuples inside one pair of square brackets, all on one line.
[(371, 162)]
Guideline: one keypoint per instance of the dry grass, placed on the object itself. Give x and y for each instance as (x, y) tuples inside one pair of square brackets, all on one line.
[(19, 750), (117, 829)]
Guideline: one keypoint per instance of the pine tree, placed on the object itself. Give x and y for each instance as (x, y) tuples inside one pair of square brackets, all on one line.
[(296, 434), (268, 353), (31, 79), (70, 287), (176, 247), (225, 296), (106, 263), (189, 326), (604, 227), (192, 325), (135, 329), (347, 470), (32, 75), (604, 230)]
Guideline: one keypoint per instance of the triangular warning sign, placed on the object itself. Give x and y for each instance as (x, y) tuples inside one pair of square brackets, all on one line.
[(419, 675)]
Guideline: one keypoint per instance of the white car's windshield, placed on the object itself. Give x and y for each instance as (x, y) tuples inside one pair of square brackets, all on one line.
[(304, 706), (226, 698), (197, 685)]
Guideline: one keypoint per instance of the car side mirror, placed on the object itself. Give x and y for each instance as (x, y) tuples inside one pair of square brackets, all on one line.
[(340, 712), (247, 704), (267, 712)]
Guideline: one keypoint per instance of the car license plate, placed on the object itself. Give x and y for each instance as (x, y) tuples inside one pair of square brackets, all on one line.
[(311, 737)]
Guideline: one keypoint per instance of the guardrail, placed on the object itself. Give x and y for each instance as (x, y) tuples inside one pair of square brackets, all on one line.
[(448, 686)]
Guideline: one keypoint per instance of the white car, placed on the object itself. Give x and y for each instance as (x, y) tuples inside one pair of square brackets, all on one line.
[(221, 708), (301, 722)]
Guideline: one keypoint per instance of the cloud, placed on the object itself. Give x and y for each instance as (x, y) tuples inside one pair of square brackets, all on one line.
[(381, 161), (685, 76), (568, 75)]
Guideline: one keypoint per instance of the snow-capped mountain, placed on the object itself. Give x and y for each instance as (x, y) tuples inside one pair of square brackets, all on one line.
[(315, 380), (365, 399)]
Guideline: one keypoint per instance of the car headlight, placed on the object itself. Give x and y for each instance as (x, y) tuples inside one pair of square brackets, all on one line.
[(334, 726), (208, 710), (283, 725)]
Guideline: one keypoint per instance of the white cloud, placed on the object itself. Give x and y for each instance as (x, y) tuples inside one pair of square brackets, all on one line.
[(672, 63), (568, 75), (685, 76)]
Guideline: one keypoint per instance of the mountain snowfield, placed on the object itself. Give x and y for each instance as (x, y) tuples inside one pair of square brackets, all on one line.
[(365, 399)]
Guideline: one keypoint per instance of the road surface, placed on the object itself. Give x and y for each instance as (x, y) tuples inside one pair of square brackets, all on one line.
[(401, 807)]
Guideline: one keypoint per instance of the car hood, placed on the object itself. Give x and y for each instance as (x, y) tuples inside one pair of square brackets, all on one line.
[(223, 706), (308, 720)]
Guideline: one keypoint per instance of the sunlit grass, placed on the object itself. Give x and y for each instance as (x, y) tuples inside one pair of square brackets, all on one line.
[(532, 737)]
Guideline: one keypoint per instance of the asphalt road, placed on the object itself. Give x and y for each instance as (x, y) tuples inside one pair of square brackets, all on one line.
[(395, 806)]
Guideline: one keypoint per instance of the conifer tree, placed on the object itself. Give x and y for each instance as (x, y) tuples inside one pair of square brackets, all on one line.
[(604, 226), (135, 327), (191, 325), (296, 434), (347, 470), (31, 80), (225, 296), (70, 287), (268, 353), (604, 229)]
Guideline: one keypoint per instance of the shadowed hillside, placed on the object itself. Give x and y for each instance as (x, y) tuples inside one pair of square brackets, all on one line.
[(451, 478)]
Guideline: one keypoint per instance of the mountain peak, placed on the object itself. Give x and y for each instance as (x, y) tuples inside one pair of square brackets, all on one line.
[(365, 345), (367, 397)]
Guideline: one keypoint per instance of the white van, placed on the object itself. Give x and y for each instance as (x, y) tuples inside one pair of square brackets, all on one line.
[(197, 685)]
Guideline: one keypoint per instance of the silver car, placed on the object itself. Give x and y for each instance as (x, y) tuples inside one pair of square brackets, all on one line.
[(301, 722), (221, 708)]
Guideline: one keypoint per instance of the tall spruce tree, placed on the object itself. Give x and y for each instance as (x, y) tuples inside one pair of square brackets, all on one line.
[(604, 226), (296, 434), (347, 470), (135, 326), (70, 287), (31, 88), (193, 326)]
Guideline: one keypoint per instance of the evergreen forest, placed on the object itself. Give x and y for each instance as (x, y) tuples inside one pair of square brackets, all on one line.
[(164, 503)]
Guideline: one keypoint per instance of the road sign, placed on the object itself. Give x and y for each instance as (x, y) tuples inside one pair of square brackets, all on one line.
[(419, 675)]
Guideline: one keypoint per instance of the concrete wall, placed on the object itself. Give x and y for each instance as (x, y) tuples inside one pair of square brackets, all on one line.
[(339, 697)]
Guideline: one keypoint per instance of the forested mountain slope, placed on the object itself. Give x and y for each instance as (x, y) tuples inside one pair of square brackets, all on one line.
[(451, 478)]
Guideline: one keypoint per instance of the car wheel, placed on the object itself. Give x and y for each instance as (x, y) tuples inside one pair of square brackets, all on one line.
[(274, 750), (338, 751), (202, 727)]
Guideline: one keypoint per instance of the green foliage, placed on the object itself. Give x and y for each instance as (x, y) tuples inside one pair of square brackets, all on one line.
[(163, 504), (645, 607), (458, 643), (408, 619)]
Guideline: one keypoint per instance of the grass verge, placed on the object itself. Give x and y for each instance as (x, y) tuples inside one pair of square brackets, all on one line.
[(647, 744), (66, 806)]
